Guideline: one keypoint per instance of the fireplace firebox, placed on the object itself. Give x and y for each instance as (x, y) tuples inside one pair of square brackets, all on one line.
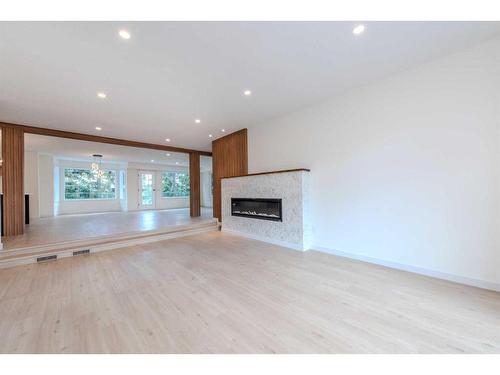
[(257, 208)]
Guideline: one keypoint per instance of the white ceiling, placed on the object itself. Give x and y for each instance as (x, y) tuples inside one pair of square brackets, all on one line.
[(83, 150), (170, 73)]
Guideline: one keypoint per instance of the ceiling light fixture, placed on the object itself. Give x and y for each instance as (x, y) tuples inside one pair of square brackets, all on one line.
[(177, 162), (101, 95), (359, 29), (98, 128), (247, 93), (124, 34), (152, 161), (168, 154), (223, 130), (197, 120), (210, 136), (96, 167), (167, 139)]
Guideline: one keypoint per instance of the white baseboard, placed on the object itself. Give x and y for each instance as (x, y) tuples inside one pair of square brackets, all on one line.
[(418, 270), (289, 245)]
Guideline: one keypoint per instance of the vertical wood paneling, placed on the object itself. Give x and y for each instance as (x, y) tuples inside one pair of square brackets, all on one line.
[(194, 184), (229, 158), (13, 180)]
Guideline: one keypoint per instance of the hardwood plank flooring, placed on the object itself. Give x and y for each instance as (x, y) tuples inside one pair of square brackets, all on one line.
[(63, 228), (219, 293)]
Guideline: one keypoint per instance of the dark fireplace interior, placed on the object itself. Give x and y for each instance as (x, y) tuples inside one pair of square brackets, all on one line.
[(257, 208)]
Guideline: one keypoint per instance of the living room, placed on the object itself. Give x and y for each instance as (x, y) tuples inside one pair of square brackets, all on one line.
[(250, 187)]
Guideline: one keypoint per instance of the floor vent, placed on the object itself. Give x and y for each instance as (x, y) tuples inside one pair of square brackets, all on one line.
[(81, 252), (45, 259)]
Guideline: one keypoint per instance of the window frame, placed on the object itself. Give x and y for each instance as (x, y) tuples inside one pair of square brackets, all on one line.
[(63, 183), (178, 196)]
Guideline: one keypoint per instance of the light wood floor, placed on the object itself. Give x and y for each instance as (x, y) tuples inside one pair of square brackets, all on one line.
[(76, 227), (217, 293)]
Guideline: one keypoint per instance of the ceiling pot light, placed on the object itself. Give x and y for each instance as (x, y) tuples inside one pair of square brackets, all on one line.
[(197, 120), (152, 161), (359, 29), (210, 136), (168, 154), (98, 128), (167, 139), (101, 95), (247, 93), (223, 130), (124, 34)]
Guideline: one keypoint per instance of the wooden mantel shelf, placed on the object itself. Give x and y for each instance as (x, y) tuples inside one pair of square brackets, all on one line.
[(272, 172)]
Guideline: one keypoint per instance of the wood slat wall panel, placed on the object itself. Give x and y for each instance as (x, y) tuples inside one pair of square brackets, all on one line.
[(194, 184), (229, 158), (13, 180)]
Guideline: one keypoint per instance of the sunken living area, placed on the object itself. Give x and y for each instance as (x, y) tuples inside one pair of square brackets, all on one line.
[(250, 188)]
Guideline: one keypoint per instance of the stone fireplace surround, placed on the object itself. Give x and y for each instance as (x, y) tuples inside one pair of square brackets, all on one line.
[(292, 187)]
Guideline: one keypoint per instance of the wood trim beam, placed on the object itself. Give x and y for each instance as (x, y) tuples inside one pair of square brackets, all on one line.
[(194, 184), (99, 139), (13, 180)]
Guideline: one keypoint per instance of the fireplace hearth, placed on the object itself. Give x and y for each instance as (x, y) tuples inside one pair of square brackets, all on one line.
[(257, 208)]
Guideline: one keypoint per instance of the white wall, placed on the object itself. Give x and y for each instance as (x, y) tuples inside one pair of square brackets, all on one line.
[(406, 170), (206, 189), (46, 185), (46, 188), (31, 181)]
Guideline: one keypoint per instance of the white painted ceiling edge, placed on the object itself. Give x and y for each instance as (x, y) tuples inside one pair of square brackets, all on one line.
[(170, 73)]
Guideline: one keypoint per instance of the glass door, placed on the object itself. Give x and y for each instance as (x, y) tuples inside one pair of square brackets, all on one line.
[(146, 190)]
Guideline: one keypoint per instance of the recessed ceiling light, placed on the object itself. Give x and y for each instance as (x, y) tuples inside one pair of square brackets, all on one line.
[(177, 162), (223, 130), (152, 161), (101, 95), (197, 120), (98, 128), (210, 136), (359, 29), (247, 93), (167, 139), (124, 34), (168, 154)]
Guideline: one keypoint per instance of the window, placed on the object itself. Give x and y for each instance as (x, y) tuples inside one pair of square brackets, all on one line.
[(175, 184), (82, 184)]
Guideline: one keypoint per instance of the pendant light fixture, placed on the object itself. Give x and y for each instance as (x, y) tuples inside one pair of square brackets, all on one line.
[(96, 166)]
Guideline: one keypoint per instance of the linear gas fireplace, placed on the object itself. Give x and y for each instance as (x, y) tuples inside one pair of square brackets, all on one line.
[(257, 208)]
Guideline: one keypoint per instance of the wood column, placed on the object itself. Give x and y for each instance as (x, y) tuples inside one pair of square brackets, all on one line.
[(194, 184), (229, 158), (13, 180)]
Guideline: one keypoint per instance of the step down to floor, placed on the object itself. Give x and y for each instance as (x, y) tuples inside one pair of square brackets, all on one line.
[(48, 252)]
